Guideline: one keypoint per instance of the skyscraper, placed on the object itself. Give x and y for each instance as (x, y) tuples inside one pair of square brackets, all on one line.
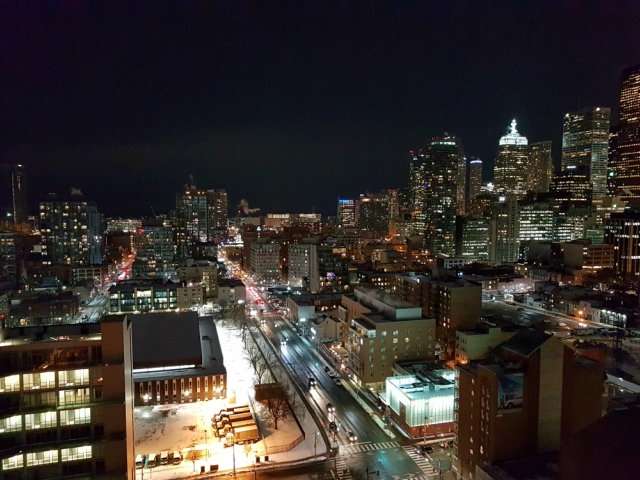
[(373, 213), (446, 166), (13, 199), (346, 213), (205, 212), (511, 168), (419, 168), (585, 141), (475, 178), (70, 229), (627, 168), (540, 166), (504, 233)]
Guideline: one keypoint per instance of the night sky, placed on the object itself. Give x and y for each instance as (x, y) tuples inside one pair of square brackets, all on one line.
[(288, 107)]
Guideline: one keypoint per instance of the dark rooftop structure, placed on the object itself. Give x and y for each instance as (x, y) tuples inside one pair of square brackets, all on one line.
[(526, 342), (165, 339)]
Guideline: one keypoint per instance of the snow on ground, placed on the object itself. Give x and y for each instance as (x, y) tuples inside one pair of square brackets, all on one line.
[(182, 426)]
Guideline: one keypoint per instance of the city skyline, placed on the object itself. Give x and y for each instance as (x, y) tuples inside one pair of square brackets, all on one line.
[(322, 97)]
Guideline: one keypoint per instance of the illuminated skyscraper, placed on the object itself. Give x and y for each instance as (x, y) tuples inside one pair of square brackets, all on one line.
[(475, 178), (446, 167), (627, 168), (419, 168), (540, 166), (204, 212), (346, 213), (585, 141), (13, 194), (373, 214), (511, 168)]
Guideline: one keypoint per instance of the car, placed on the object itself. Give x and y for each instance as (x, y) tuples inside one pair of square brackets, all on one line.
[(176, 458), (423, 449), (520, 309), (283, 342), (562, 324), (312, 382), (330, 408), (332, 375), (333, 426), (352, 436), (326, 369), (140, 460), (337, 382)]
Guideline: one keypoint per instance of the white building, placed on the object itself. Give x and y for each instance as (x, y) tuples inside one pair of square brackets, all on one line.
[(265, 262)]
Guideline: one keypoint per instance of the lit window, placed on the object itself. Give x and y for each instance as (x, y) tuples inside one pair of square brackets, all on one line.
[(42, 458), (40, 420), (75, 453), (10, 463), (75, 417), (11, 424)]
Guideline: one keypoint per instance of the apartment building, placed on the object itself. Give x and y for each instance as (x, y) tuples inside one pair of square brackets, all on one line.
[(391, 330), (265, 262), (534, 394), (66, 401)]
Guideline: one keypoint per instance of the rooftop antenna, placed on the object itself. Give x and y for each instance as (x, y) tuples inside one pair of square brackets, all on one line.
[(154, 212)]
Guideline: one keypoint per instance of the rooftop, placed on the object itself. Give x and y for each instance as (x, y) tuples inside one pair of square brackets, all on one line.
[(526, 342)]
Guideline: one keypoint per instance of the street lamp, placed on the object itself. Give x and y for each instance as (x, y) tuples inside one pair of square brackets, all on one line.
[(206, 442)]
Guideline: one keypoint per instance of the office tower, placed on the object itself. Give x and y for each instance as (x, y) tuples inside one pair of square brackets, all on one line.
[(205, 213), (67, 401), (71, 232), (462, 184), (627, 176), (373, 214), (155, 249), (622, 231), (504, 235), (474, 238), (394, 202), (475, 178), (573, 185), (585, 142), (614, 158), (511, 169), (540, 166), (419, 167), (536, 222), (13, 194), (446, 165), (525, 399), (346, 213)]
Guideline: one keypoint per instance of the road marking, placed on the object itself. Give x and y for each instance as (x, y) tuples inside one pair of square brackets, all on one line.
[(341, 469), (420, 461), (351, 449)]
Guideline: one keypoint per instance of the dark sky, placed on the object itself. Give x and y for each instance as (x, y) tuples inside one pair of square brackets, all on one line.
[(293, 106)]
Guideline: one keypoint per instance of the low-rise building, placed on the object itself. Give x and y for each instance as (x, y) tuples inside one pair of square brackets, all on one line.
[(230, 291), (325, 327), (476, 344), (392, 330), (176, 359)]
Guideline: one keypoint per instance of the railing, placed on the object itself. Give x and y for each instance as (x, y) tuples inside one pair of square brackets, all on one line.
[(285, 447)]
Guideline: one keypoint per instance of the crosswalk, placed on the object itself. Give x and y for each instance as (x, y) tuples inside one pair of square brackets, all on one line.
[(368, 447), (341, 469), (421, 461)]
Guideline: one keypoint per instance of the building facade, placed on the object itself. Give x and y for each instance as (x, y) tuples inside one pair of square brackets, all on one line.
[(346, 213), (475, 178), (67, 401), (541, 166), (511, 169), (155, 249), (265, 262), (585, 142)]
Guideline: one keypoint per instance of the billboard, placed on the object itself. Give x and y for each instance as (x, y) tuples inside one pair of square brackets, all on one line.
[(510, 391)]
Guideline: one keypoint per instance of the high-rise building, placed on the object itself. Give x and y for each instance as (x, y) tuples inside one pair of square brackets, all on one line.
[(419, 167), (205, 213), (573, 184), (531, 395), (474, 238), (154, 246), (346, 213), (585, 141), (540, 166), (504, 235), (265, 261), (475, 178), (13, 196), (622, 231), (67, 401), (511, 169), (446, 167), (373, 214), (70, 229), (627, 168), (536, 222)]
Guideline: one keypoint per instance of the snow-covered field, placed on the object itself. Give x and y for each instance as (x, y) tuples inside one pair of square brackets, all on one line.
[(183, 426)]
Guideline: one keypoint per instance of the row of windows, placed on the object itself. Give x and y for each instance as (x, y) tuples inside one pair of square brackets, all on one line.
[(35, 381), (36, 421), (47, 457)]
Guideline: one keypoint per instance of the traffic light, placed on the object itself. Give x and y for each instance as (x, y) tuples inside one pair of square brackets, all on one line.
[(316, 364)]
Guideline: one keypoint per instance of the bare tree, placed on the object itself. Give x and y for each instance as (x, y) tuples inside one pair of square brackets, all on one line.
[(265, 367), (193, 455), (274, 402)]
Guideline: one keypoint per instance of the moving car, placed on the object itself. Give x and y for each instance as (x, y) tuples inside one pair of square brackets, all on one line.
[(333, 426), (326, 369), (338, 382), (562, 324), (423, 449), (330, 408), (352, 436), (312, 382), (446, 444)]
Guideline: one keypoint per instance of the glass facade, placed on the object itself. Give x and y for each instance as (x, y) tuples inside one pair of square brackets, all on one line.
[(419, 400)]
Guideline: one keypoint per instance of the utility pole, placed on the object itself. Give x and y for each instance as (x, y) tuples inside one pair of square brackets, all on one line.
[(206, 442)]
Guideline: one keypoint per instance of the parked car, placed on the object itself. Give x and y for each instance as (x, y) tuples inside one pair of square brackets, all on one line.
[(446, 444), (176, 458), (153, 460), (338, 382), (326, 369), (140, 461), (423, 449)]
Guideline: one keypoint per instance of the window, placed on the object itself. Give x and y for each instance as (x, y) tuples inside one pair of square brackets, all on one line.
[(371, 366), (383, 349), (75, 417), (10, 384), (407, 339), (384, 334), (40, 420), (395, 333), (42, 458), (383, 357), (372, 342), (10, 463), (418, 347), (383, 342), (75, 453), (419, 331), (395, 357), (407, 332), (73, 377), (71, 397), (395, 340), (384, 365), (371, 350), (407, 347), (395, 349), (39, 380), (11, 424), (418, 339), (371, 359)]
